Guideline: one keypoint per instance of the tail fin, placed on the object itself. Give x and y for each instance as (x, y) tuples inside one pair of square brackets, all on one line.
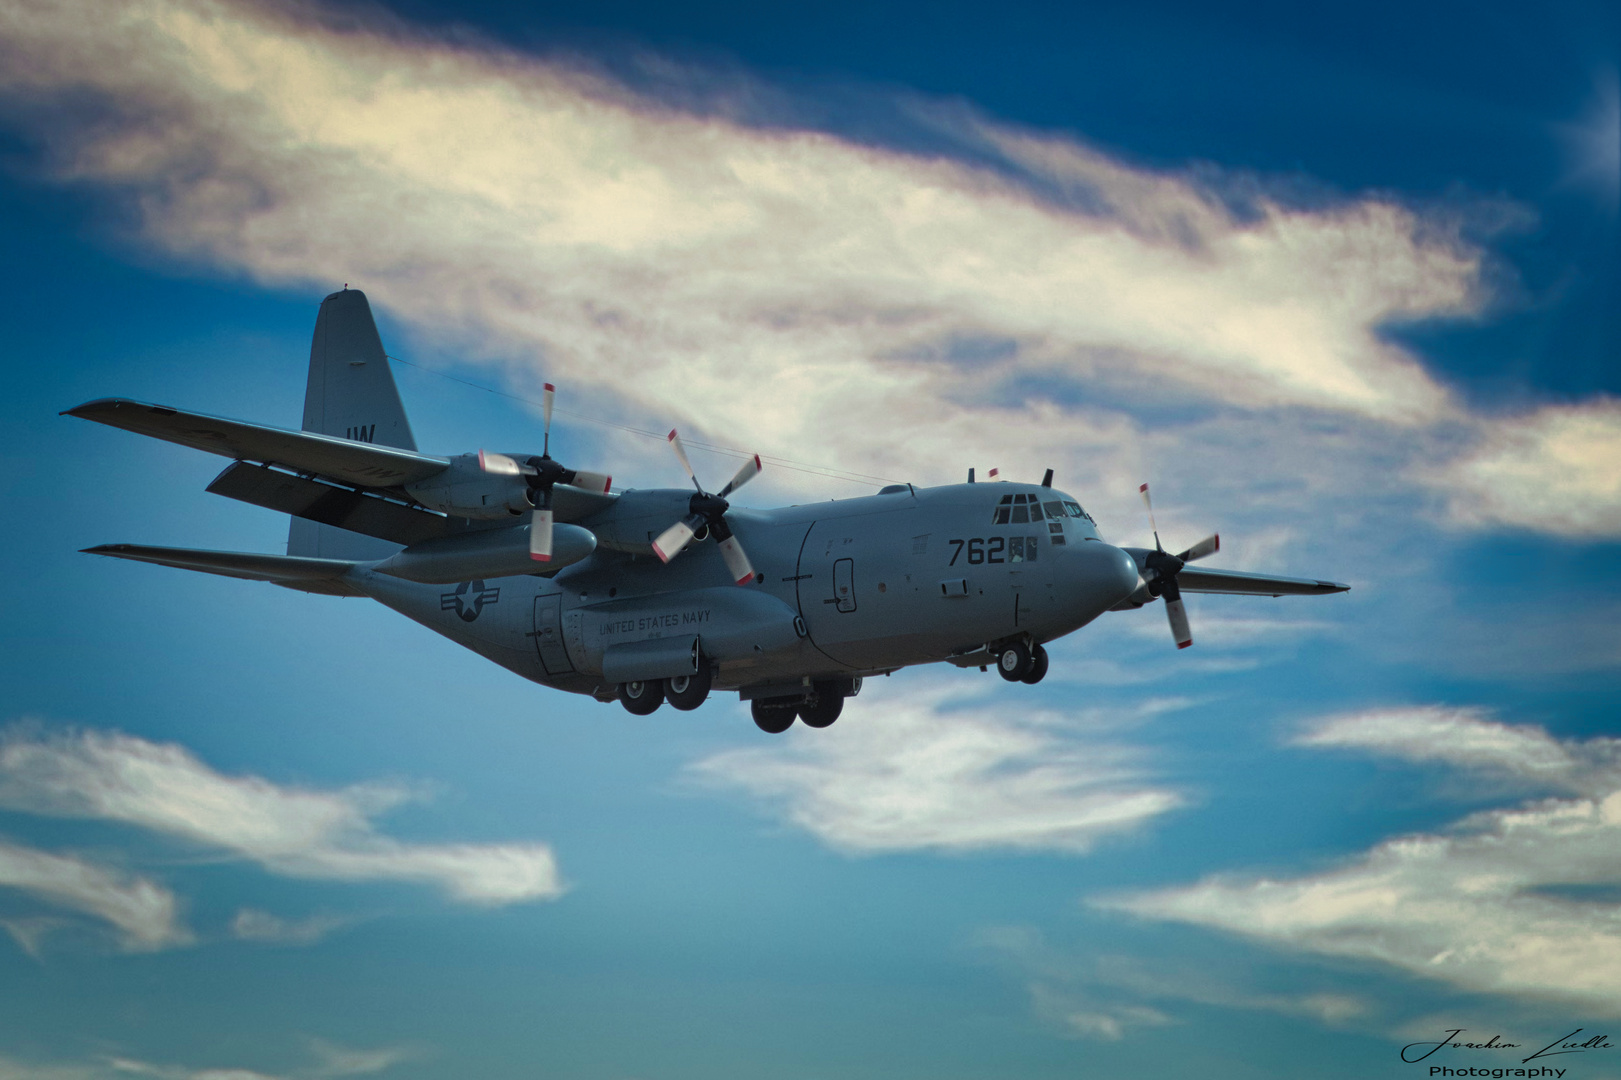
[(351, 394)]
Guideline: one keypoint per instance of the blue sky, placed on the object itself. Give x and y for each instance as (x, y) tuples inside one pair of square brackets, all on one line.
[(1341, 286)]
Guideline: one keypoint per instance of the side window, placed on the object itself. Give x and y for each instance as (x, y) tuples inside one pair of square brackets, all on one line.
[(1030, 549), (1015, 549), (1075, 509), (1055, 509)]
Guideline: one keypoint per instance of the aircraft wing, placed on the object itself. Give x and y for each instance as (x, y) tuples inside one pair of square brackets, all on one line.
[(306, 575), (1199, 580), (359, 463)]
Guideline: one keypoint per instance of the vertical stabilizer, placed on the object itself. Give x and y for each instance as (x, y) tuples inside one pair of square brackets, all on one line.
[(351, 394)]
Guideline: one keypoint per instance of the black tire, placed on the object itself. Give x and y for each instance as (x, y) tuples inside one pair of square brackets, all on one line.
[(772, 719), (1038, 666), (687, 692), (825, 707), (641, 698), (1013, 662)]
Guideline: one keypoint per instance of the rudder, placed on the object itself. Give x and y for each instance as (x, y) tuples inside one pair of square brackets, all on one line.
[(350, 394)]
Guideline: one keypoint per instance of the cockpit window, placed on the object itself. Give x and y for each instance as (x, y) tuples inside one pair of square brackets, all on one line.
[(1075, 509), (1021, 510)]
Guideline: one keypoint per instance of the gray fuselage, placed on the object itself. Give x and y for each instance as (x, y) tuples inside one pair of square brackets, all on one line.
[(845, 587)]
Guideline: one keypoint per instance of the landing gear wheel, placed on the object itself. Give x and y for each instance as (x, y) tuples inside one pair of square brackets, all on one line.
[(1013, 662), (687, 692), (641, 698), (825, 707), (771, 719), (1038, 666)]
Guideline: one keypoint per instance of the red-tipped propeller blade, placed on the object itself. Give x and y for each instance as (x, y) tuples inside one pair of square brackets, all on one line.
[(750, 469), (681, 452), (590, 481), (1208, 546), (737, 562), (1178, 615), (672, 540), (540, 534)]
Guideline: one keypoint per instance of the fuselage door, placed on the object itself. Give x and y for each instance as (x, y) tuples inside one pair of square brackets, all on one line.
[(549, 635), (844, 584)]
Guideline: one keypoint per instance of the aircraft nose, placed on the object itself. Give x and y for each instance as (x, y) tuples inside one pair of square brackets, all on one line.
[(1107, 574)]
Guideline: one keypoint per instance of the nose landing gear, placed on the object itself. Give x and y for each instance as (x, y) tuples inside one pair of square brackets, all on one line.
[(1017, 662)]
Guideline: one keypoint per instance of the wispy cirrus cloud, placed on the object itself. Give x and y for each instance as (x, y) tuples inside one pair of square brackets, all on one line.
[(1518, 901), (330, 1060), (920, 771), (144, 913), (299, 832), (904, 311)]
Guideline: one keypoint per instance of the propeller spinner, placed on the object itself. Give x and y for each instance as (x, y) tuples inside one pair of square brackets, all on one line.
[(706, 511), (1162, 568), (541, 474)]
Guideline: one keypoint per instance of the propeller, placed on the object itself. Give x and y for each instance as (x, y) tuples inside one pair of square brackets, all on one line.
[(708, 512), (541, 474), (1162, 568)]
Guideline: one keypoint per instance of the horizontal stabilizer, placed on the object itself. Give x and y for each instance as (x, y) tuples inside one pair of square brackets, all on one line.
[(361, 463), (356, 511), (306, 575), (1202, 580)]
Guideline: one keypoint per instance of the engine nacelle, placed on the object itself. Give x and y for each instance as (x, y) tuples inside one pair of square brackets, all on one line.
[(486, 553), (466, 491)]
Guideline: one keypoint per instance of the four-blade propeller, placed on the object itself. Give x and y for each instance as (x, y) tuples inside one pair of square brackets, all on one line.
[(541, 474), (1161, 570), (708, 512)]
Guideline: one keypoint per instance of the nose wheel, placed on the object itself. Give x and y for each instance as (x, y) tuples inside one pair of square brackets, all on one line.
[(1018, 662)]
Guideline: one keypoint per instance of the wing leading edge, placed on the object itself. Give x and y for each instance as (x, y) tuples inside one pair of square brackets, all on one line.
[(359, 463), (1202, 580), (305, 575)]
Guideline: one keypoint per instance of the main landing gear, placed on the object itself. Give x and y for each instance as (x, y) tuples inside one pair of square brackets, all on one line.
[(1017, 662), (684, 692), (818, 709)]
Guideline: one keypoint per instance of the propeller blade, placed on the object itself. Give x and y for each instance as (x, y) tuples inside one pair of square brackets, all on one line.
[(672, 540), (540, 535), (590, 481), (549, 393), (737, 562), (1208, 546), (498, 464), (750, 469), (1177, 613), (681, 452), (1152, 524)]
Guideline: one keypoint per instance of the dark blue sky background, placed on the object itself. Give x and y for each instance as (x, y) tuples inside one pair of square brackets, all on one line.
[(704, 934)]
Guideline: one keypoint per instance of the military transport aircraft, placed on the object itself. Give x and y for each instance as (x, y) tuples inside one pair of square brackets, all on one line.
[(549, 572)]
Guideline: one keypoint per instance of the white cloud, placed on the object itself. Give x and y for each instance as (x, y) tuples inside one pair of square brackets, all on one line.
[(1465, 738), (1106, 997), (913, 771), (786, 289), (330, 1061), (251, 924), (1500, 903), (145, 914), (298, 832), (1555, 470)]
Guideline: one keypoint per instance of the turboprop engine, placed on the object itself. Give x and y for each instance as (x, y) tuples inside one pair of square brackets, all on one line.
[(486, 553), (467, 490)]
